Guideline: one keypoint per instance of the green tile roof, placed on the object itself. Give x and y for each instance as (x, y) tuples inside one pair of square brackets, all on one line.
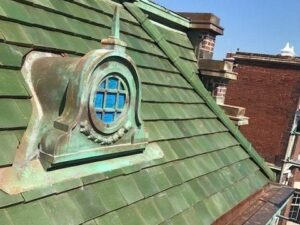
[(207, 167)]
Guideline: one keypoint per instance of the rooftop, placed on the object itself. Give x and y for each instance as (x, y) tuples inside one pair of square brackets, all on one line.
[(265, 58), (67, 157)]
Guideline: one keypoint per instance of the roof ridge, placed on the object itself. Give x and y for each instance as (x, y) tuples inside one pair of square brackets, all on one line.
[(158, 10), (195, 82)]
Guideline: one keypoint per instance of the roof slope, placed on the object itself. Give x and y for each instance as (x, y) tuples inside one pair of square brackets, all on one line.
[(205, 171)]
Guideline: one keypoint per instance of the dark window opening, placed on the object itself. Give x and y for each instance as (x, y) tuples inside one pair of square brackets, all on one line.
[(298, 126), (294, 213)]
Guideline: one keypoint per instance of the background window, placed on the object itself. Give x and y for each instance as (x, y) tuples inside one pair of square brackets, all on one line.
[(294, 213)]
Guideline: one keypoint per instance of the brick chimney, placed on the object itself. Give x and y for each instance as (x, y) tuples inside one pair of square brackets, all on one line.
[(204, 27), (215, 74)]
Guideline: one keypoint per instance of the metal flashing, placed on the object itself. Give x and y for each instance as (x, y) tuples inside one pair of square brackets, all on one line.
[(34, 177)]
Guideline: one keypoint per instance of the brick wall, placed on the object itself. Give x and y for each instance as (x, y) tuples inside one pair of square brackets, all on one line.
[(203, 43), (208, 43), (219, 93), (270, 95)]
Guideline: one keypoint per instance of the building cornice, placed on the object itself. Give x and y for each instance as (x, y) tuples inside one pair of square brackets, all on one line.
[(264, 59), (204, 21)]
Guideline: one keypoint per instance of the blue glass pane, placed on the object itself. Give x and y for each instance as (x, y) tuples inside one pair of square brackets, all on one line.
[(102, 85), (109, 117), (99, 100), (111, 100), (112, 83), (99, 115), (121, 101)]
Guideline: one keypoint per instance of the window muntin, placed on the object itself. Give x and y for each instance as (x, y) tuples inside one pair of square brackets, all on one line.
[(109, 102)]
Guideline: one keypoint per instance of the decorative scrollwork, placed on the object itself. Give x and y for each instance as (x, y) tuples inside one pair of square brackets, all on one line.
[(94, 136)]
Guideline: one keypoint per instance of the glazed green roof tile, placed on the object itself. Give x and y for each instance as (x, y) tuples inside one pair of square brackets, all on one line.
[(12, 83), (89, 204), (6, 200), (19, 214), (67, 185), (37, 193), (205, 161), (146, 183), (130, 216), (9, 144), (110, 218), (91, 222), (11, 55), (110, 195), (14, 112), (149, 212), (4, 218), (128, 189), (61, 209)]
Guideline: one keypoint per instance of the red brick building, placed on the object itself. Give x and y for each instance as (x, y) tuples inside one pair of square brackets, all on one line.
[(268, 86)]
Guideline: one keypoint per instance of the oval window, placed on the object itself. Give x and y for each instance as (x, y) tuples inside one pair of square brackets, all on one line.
[(110, 101)]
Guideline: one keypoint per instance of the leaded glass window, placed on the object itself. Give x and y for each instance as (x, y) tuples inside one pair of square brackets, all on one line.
[(294, 213), (110, 99)]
